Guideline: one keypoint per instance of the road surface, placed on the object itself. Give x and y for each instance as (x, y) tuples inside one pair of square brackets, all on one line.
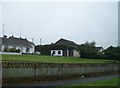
[(69, 82)]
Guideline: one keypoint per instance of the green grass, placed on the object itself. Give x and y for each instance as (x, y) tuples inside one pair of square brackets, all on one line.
[(52, 59), (110, 82)]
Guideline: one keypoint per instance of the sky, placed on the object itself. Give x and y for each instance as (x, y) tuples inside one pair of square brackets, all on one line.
[(50, 21)]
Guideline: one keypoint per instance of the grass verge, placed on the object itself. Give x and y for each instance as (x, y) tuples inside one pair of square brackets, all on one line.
[(110, 82)]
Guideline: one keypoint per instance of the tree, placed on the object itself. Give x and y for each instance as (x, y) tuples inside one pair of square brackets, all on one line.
[(87, 50), (44, 49), (112, 53)]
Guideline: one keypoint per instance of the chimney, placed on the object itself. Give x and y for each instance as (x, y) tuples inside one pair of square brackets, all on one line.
[(5, 36)]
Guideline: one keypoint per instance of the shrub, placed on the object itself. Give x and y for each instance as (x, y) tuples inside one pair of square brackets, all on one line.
[(6, 49), (12, 50)]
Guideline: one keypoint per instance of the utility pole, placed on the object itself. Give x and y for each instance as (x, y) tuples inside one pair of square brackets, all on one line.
[(20, 31), (40, 41), (3, 29), (32, 40)]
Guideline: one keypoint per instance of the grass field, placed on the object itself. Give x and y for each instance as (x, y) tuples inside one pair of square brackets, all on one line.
[(111, 82), (52, 59)]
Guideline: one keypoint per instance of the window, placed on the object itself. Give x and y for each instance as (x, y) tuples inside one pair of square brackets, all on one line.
[(53, 52), (59, 52), (27, 49)]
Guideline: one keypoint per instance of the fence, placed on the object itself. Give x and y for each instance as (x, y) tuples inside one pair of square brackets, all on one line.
[(36, 69)]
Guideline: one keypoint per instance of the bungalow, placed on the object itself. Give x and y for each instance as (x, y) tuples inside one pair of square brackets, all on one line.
[(65, 47), (17, 43)]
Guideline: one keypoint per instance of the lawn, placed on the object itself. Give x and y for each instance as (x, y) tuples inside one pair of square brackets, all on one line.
[(52, 59), (110, 82)]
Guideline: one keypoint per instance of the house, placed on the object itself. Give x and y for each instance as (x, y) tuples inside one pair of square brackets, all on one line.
[(17, 43), (65, 47), (99, 49)]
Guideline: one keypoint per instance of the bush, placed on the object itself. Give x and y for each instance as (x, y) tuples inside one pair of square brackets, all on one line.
[(112, 53), (12, 50), (6, 49), (15, 50)]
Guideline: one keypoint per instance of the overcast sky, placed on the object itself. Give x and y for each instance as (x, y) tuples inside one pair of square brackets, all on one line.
[(76, 21)]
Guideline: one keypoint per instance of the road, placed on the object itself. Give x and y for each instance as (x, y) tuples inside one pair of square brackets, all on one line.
[(69, 82)]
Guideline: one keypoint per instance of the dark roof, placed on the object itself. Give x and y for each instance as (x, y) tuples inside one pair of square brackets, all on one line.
[(65, 42), (16, 41)]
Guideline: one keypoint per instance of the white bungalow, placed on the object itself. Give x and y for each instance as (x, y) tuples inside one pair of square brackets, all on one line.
[(66, 48), (18, 43)]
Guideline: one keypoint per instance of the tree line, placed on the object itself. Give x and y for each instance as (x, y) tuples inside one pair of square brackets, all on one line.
[(89, 50)]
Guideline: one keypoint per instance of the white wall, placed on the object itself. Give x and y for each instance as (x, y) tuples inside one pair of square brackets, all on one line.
[(23, 50), (76, 54), (101, 50), (56, 52), (10, 53), (2, 47), (17, 47), (10, 46), (32, 49)]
